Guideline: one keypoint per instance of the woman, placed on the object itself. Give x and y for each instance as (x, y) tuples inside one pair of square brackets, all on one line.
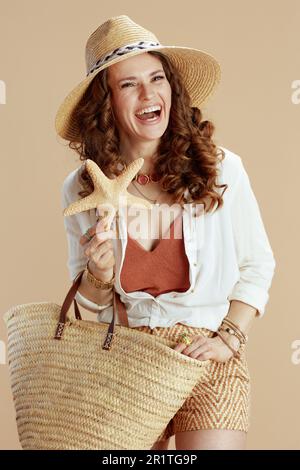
[(142, 99)]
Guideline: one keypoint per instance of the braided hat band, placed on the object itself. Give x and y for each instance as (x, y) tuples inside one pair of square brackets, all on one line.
[(119, 38), (122, 51)]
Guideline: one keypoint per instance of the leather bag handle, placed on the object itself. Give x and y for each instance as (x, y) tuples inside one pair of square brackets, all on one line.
[(118, 309)]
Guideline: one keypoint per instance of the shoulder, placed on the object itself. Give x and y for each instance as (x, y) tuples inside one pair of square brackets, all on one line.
[(231, 170), (231, 167)]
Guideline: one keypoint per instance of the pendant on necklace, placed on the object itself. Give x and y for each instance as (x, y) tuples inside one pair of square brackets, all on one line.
[(145, 179)]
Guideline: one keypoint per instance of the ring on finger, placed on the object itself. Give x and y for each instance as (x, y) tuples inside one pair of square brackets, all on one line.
[(88, 235), (184, 338)]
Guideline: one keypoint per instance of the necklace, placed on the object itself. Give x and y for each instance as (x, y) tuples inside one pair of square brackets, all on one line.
[(154, 201), (143, 178)]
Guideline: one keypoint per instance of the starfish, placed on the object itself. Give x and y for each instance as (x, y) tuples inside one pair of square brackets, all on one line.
[(111, 193)]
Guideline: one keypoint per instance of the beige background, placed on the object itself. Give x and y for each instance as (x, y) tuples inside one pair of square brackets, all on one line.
[(257, 44)]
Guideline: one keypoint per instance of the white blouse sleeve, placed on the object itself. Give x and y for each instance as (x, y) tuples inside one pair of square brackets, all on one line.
[(254, 253), (76, 257)]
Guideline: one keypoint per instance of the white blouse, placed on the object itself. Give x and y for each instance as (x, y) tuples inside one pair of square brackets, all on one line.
[(229, 254)]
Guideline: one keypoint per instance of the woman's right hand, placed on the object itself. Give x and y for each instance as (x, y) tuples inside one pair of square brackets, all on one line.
[(100, 252)]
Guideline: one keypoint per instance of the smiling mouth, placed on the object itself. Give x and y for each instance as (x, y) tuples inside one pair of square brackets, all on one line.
[(154, 115)]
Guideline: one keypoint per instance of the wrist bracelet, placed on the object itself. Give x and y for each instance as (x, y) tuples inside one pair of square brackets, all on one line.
[(105, 285), (232, 327), (235, 352), (231, 332)]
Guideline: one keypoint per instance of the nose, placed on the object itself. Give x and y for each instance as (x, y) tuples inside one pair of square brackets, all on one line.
[(146, 91)]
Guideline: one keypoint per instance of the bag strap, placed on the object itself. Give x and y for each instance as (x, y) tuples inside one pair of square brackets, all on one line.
[(67, 304), (118, 309)]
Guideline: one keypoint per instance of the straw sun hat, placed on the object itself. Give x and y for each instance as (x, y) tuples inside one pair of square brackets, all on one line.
[(120, 38)]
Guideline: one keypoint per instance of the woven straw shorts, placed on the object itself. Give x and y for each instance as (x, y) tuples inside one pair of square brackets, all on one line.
[(221, 400)]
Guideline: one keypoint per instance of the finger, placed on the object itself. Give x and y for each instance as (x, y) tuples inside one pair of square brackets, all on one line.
[(106, 257), (205, 356), (109, 258), (98, 246), (105, 216), (196, 343), (102, 248), (102, 239), (86, 237), (98, 227), (200, 350), (179, 347), (106, 261), (96, 242), (103, 225)]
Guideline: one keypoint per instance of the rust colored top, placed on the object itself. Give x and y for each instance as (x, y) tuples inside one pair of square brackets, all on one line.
[(163, 269)]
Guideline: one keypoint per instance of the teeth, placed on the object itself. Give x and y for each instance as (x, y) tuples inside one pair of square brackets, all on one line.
[(149, 110)]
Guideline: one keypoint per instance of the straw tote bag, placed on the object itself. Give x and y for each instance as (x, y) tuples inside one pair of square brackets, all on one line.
[(79, 384)]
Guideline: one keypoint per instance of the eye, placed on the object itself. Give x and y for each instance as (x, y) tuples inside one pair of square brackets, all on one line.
[(131, 83), (159, 76), (125, 84)]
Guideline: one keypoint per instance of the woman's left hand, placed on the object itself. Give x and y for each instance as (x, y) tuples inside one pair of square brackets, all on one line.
[(203, 348)]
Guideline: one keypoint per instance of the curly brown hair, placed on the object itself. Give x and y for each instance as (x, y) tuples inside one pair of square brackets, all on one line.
[(187, 157)]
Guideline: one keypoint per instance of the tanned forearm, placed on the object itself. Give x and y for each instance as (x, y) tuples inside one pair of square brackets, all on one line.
[(242, 315)]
